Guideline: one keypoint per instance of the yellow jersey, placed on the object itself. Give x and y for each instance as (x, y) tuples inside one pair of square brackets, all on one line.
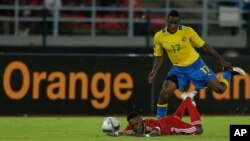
[(179, 46)]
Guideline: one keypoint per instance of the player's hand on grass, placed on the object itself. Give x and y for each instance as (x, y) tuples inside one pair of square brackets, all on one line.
[(114, 134), (142, 135)]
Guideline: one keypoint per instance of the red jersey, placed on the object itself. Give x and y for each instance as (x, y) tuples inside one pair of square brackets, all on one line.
[(167, 125), (172, 124)]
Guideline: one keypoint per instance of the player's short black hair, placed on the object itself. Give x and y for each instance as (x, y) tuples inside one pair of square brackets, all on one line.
[(132, 115), (174, 13)]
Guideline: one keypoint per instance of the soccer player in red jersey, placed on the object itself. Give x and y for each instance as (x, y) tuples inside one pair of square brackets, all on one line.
[(169, 125)]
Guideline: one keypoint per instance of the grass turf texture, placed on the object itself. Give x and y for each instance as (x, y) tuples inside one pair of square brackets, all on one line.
[(89, 129)]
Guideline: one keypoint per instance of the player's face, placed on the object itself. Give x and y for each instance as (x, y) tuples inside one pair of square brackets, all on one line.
[(172, 24), (137, 124)]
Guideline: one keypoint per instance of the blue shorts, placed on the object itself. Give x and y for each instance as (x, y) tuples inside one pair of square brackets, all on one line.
[(197, 73)]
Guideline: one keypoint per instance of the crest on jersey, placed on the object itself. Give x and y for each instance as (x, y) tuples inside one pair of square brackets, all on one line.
[(184, 39)]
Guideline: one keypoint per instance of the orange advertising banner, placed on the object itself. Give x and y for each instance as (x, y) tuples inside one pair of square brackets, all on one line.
[(101, 84)]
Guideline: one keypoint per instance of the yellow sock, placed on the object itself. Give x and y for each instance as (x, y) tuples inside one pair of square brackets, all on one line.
[(224, 81)]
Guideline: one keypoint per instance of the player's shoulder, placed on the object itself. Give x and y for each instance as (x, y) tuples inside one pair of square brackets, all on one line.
[(164, 30), (150, 120), (185, 28), (160, 32)]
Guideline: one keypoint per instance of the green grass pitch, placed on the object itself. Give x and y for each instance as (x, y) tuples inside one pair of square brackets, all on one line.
[(216, 128)]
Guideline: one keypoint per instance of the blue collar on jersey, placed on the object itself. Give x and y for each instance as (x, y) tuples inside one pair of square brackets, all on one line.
[(165, 29), (180, 27)]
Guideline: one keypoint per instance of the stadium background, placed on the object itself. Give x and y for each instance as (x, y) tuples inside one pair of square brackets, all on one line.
[(85, 60), (103, 41), (67, 64)]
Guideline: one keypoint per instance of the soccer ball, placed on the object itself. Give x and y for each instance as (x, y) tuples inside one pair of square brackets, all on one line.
[(110, 125)]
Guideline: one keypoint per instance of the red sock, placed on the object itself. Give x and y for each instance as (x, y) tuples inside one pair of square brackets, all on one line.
[(192, 111)]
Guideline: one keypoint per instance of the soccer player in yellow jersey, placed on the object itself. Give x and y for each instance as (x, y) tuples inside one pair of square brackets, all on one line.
[(179, 42)]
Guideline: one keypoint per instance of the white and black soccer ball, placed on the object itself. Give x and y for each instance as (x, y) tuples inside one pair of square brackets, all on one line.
[(110, 125)]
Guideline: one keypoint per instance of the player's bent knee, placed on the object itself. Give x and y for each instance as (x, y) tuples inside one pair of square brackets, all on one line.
[(164, 96)]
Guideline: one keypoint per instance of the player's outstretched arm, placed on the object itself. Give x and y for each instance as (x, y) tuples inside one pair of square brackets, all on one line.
[(121, 133), (208, 49), (153, 133)]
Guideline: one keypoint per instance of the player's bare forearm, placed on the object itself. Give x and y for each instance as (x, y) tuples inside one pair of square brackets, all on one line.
[(125, 133), (156, 66), (120, 133), (153, 133), (209, 50), (157, 63)]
